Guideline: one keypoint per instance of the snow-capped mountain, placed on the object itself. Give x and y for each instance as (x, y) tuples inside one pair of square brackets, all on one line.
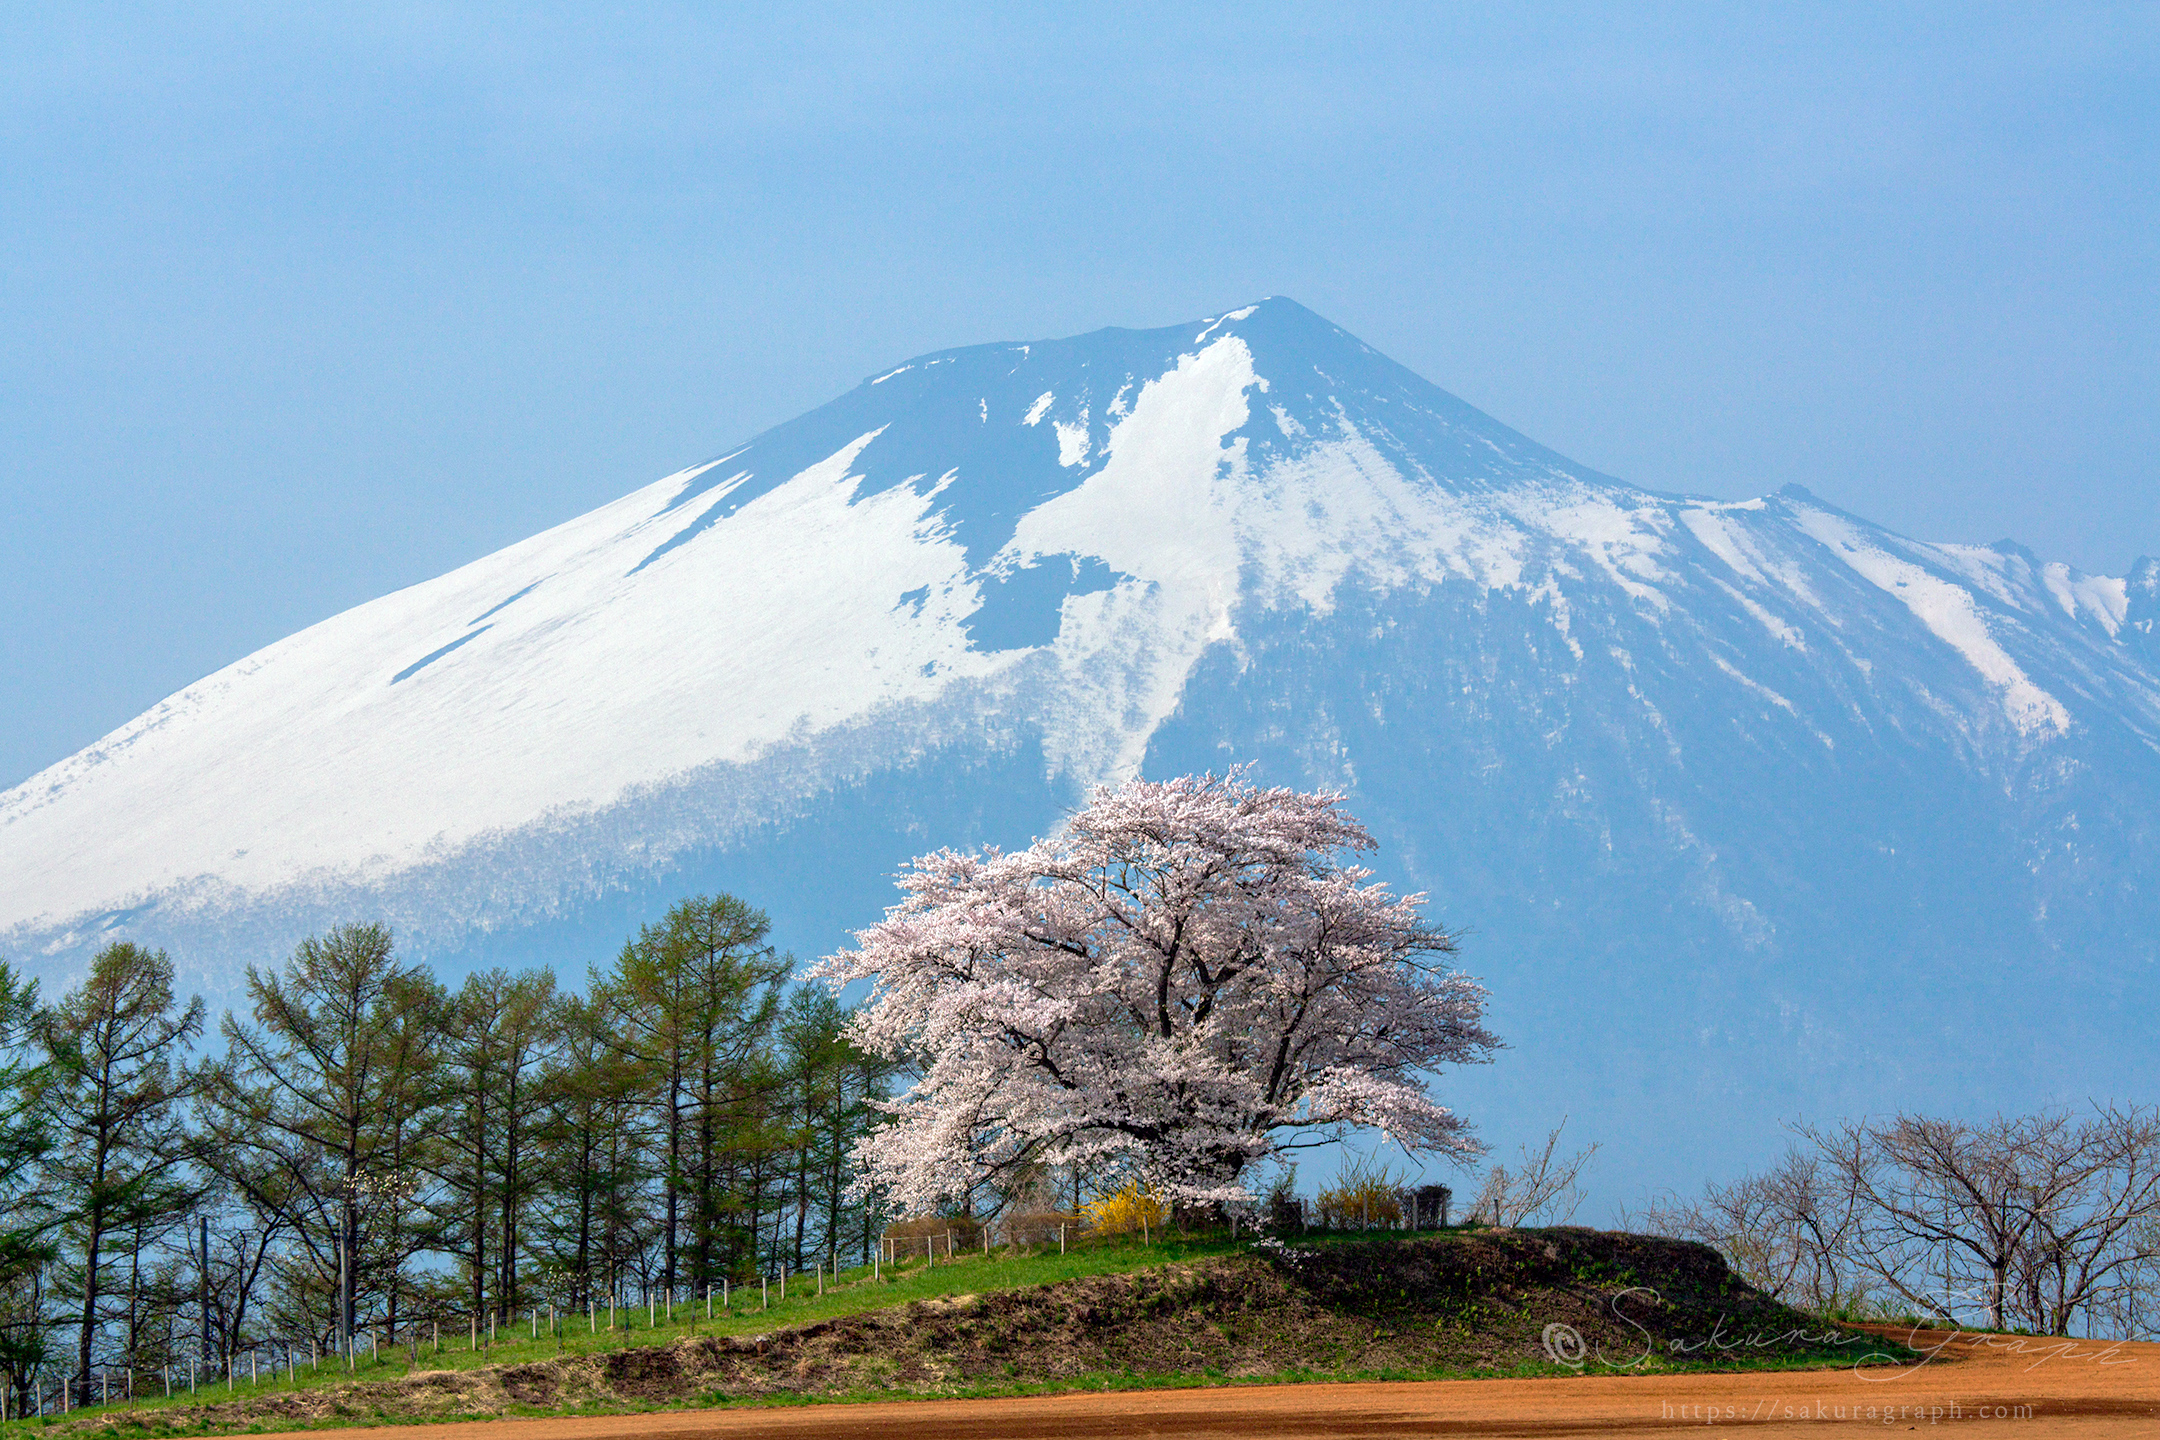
[(1752, 808)]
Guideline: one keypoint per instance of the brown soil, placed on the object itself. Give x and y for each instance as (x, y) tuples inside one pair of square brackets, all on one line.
[(2017, 1388)]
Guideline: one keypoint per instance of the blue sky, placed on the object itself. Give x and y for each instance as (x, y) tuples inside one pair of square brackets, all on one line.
[(297, 309)]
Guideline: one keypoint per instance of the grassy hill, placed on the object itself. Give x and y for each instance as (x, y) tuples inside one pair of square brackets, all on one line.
[(1194, 1311)]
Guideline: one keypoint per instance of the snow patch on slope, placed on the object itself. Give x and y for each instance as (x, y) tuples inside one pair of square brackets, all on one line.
[(1625, 541), (1072, 440), (1949, 611), (777, 620), (2106, 599), (1161, 509), (1726, 539), (1230, 319)]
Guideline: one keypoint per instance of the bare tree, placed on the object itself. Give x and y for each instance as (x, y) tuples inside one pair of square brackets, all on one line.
[(1954, 1208), (2039, 1219), (2130, 1304), (1541, 1190), (2087, 1236), (1789, 1232)]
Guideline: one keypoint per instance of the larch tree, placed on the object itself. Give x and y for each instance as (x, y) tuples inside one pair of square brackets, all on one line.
[(1189, 979), (414, 1080), (530, 1028), (116, 1076), (587, 1096), (692, 1001), (467, 1154), (29, 1209), (305, 1112), (500, 1032), (832, 1085)]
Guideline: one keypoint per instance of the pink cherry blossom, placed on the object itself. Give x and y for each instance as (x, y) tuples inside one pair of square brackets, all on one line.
[(1188, 979)]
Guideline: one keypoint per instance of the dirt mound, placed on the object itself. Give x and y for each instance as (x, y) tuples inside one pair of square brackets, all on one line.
[(1498, 1300), (1486, 1301)]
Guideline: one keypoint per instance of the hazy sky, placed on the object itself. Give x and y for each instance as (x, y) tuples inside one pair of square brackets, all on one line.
[(296, 310)]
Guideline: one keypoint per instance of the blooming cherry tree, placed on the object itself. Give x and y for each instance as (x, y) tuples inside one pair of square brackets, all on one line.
[(1186, 980)]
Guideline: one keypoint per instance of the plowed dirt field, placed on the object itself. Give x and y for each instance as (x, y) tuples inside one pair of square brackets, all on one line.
[(1976, 1385)]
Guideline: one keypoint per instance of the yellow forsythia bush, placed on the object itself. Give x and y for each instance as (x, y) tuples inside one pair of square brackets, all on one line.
[(1125, 1212)]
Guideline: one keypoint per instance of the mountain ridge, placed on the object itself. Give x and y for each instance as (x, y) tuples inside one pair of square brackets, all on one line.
[(1761, 754)]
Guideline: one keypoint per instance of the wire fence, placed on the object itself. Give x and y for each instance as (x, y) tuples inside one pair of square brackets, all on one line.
[(278, 1357)]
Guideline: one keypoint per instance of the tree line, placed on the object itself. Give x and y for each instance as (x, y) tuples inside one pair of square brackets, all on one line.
[(2046, 1223), (367, 1150)]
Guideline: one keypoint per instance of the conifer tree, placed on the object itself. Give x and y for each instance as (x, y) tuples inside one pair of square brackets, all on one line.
[(306, 1111), (499, 1033), (832, 1085), (692, 1001), (29, 1210), (588, 1149), (114, 1079)]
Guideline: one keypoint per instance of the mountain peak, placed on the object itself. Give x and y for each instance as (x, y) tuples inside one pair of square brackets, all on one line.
[(1646, 744), (1000, 429)]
